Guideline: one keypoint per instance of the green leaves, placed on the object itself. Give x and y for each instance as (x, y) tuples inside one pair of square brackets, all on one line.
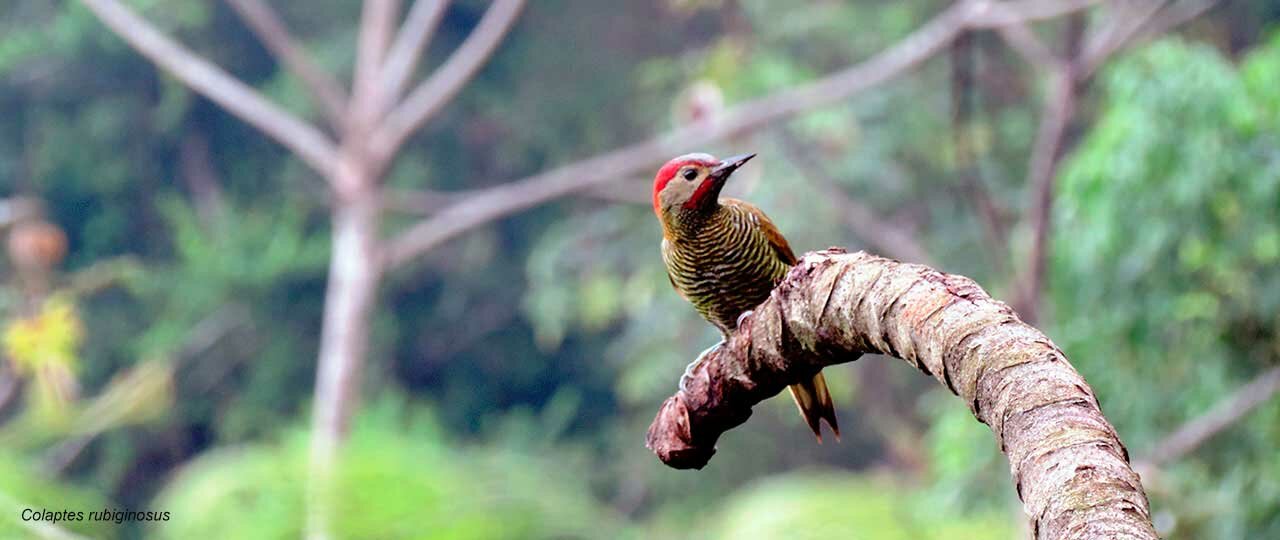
[(832, 504), (1164, 273), (398, 480)]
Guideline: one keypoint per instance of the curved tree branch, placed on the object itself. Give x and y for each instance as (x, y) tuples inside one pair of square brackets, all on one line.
[(238, 98), (1070, 468), (497, 202)]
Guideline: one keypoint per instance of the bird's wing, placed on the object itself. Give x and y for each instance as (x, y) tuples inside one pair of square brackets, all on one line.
[(666, 248), (771, 233)]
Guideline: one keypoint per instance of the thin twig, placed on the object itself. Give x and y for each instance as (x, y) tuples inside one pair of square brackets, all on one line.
[(102, 275), (377, 23), (60, 457), (494, 203), (275, 36), (987, 14), (241, 100), (1221, 416), (410, 44), (212, 329), (1042, 169), (1173, 17), (418, 201), (1059, 106), (432, 94), (1131, 16)]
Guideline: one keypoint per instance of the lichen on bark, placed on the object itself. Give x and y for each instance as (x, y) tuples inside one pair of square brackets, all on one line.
[(1069, 467)]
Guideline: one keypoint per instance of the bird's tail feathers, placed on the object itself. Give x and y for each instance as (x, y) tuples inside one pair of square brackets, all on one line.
[(815, 405)]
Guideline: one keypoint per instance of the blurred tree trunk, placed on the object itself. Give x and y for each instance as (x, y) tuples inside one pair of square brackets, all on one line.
[(1070, 469), (370, 128), (354, 275)]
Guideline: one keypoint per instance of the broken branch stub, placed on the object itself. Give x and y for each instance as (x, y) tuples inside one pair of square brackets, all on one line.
[(1069, 466)]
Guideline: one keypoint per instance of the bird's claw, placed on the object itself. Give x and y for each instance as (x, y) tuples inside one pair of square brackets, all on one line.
[(688, 370), (742, 317)]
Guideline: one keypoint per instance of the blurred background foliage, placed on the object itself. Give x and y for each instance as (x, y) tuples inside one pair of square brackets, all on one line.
[(168, 361)]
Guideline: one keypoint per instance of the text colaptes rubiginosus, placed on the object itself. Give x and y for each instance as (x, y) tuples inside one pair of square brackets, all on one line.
[(724, 256)]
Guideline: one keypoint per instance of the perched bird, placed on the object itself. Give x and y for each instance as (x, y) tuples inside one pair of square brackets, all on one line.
[(724, 256)]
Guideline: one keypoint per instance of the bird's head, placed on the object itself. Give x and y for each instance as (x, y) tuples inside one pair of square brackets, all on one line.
[(690, 184)]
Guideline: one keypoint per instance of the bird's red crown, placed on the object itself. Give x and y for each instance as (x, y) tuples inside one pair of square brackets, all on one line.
[(669, 170)]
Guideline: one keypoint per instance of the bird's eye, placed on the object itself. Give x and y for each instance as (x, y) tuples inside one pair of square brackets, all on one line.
[(690, 174)]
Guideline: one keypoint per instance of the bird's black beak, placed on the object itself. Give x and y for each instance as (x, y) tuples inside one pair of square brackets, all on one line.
[(728, 165)]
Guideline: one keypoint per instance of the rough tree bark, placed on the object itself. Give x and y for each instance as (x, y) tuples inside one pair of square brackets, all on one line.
[(1070, 469)]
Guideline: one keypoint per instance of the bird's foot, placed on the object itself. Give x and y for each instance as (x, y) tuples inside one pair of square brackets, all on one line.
[(743, 317), (688, 370)]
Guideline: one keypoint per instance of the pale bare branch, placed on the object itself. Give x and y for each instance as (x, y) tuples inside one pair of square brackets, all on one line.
[(410, 44), (350, 298), (1059, 106), (494, 203), (991, 14), (307, 142), (377, 23), (1057, 111), (432, 94), (1221, 416), (425, 202), (1172, 17), (275, 36), (1124, 24), (418, 201)]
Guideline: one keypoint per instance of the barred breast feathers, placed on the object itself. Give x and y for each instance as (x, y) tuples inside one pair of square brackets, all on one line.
[(728, 263)]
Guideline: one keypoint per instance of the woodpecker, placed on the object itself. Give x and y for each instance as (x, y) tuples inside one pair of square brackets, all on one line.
[(725, 256)]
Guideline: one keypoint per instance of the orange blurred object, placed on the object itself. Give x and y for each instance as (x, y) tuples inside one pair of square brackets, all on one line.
[(36, 245)]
